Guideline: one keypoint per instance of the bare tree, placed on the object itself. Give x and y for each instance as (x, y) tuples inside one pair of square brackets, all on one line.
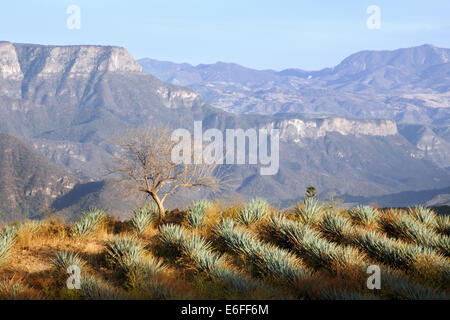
[(144, 164)]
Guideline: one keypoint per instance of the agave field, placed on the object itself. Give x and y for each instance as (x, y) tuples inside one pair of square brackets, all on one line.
[(312, 251)]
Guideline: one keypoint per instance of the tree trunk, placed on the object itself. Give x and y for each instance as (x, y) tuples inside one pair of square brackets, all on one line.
[(160, 205)]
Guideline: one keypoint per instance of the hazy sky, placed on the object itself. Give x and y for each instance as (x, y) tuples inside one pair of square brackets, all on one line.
[(261, 34)]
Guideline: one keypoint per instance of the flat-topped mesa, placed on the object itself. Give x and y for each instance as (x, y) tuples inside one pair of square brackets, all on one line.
[(77, 59), (17, 60), (297, 129)]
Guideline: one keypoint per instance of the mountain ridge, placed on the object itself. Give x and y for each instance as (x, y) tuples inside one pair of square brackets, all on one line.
[(73, 117), (409, 85)]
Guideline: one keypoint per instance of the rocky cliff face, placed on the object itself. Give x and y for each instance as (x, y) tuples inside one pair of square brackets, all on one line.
[(9, 62), (41, 74), (72, 60), (431, 143), (20, 62), (59, 87), (296, 129)]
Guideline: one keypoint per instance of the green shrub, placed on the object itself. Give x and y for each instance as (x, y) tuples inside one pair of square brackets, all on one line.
[(270, 260), (197, 213), (142, 271), (199, 251), (124, 252), (309, 210), (172, 235), (411, 230), (377, 246), (389, 251), (365, 215), (64, 259), (144, 217), (423, 215), (95, 289), (254, 212), (443, 225), (337, 229), (89, 223), (400, 287), (8, 238), (316, 251)]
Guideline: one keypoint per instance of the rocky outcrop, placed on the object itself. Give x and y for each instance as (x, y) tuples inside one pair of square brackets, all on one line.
[(296, 129), (71, 72), (72, 60), (9, 62)]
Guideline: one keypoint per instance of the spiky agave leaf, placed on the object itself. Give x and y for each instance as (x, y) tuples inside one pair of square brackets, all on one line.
[(158, 290), (143, 218), (337, 228), (172, 235), (206, 261), (89, 223), (139, 272), (269, 259), (443, 225), (31, 226), (197, 213), (365, 215), (324, 254), (239, 282), (400, 287), (200, 253), (279, 229), (199, 250), (96, 289), (125, 252), (281, 263), (309, 210), (377, 246), (423, 215), (389, 251), (405, 227), (253, 212), (236, 239), (195, 242), (153, 266), (8, 238), (11, 289), (64, 259), (317, 251)]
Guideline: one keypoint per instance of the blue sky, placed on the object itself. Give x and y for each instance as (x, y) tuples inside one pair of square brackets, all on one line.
[(261, 34)]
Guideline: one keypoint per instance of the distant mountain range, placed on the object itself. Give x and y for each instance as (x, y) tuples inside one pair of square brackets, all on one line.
[(406, 85), (70, 102)]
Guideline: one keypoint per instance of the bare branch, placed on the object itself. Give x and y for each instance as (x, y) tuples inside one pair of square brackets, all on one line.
[(144, 165)]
